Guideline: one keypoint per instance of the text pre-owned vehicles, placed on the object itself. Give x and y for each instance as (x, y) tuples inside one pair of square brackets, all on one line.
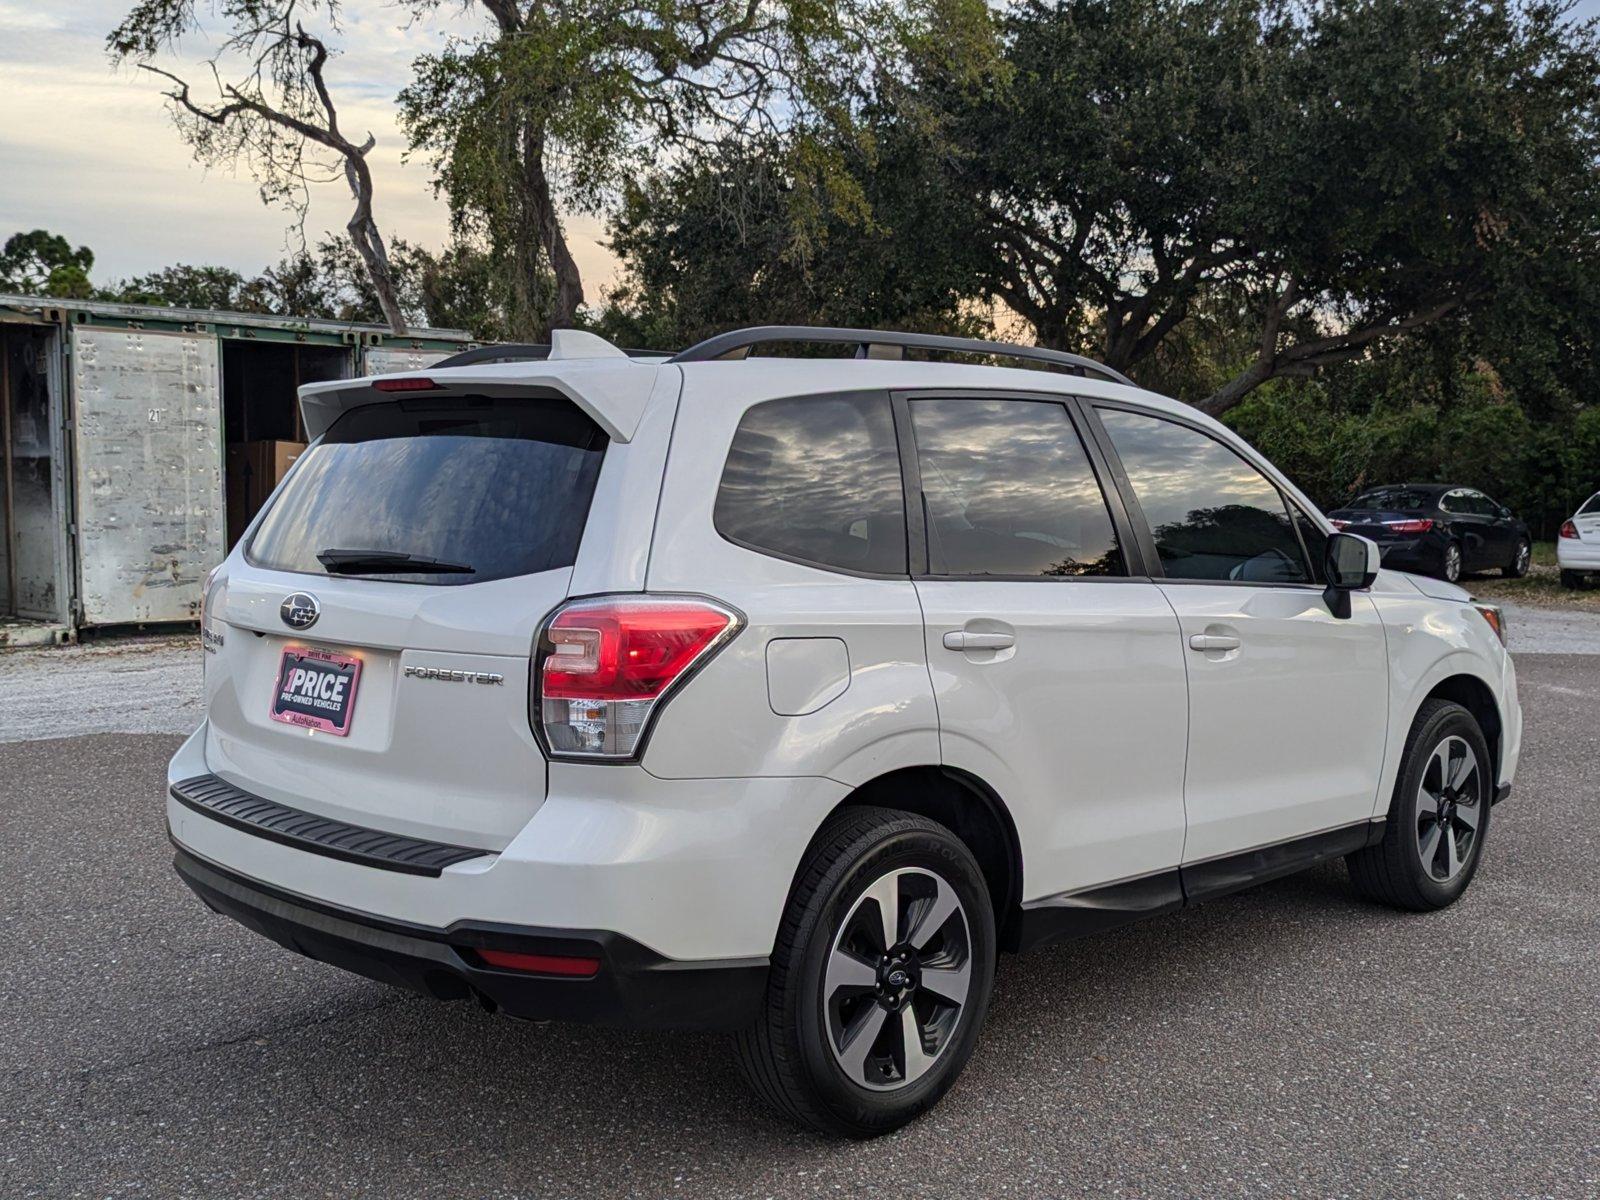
[(780, 694), (1439, 529), (1578, 544)]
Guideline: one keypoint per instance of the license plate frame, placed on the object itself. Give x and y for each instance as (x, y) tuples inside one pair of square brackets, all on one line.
[(320, 704)]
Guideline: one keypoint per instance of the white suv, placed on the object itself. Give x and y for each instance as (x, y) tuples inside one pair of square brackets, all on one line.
[(779, 694)]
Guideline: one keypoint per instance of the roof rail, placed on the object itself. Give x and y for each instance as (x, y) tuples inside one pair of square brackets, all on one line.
[(539, 351), (871, 343)]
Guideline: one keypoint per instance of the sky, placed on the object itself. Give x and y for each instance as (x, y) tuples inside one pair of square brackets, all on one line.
[(90, 152)]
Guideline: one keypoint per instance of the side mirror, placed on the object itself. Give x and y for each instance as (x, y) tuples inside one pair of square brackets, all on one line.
[(1351, 564)]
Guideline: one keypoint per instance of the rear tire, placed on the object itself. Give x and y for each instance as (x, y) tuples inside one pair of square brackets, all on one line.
[(1573, 579), (1438, 818), (1521, 557), (920, 1000), (1450, 566)]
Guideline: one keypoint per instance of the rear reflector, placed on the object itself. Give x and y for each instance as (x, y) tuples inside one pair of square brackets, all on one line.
[(1421, 526), (1568, 529), (606, 664), (404, 384), (542, 964)]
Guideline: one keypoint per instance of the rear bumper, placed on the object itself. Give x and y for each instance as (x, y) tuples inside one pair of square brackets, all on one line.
[(633, 986), (1573, 555)]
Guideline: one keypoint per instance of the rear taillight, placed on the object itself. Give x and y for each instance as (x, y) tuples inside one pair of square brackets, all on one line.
[(1568, 529), (1338, 524), (606, 664), (1417, 526)]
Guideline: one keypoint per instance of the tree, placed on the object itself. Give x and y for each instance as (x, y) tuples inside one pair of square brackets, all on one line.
[(41, 263), (748, 236), (560, 101), (277, 114), (1339, 172)]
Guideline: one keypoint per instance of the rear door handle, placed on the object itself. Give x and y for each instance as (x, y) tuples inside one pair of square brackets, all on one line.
[(1213, 641), (960, 639)]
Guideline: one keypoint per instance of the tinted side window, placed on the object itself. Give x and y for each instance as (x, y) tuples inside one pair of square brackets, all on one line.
[(1213, 515), (1009, 491), (817, 478)]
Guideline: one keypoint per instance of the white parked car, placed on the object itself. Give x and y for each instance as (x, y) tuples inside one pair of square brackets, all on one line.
[(779, 695), (1578, 546)]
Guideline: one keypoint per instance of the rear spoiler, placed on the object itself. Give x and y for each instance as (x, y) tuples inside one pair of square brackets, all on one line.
[(600, 379)]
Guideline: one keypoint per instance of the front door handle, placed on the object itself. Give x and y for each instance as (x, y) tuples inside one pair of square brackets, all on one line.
[(960, 639), (1213, 641)]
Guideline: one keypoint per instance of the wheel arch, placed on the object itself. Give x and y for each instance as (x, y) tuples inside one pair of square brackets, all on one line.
[(1474, 695), (974, 812)]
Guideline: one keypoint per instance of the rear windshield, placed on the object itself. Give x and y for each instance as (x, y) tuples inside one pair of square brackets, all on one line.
[(1590, 506), (1393, 498), (498, 486)]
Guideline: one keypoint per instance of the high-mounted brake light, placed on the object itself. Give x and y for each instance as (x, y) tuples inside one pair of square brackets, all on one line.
[(405, 383), (1417, 526), (606, 663), (1568, 529)]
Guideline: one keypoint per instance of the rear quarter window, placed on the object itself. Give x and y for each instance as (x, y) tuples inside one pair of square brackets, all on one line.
[(500, 486), (816, 479)]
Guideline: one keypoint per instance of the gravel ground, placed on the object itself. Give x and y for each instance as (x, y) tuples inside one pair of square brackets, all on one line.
[(126, 685), (1551, 631), (1289, 1041)]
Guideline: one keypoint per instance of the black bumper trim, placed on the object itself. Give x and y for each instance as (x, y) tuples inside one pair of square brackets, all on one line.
[(634, 987), (1500, 793), (243, 810)]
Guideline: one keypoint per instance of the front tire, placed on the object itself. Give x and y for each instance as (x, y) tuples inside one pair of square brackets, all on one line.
[(1438, 818), (880, 976), (1520, 558)]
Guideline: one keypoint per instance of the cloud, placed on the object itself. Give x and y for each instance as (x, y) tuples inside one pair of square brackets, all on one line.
[(90, 152)]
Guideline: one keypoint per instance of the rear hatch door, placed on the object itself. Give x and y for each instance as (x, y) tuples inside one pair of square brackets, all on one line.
[(368, 649)]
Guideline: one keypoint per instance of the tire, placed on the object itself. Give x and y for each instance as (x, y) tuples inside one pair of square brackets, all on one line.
[(1411, 868), (1450, 564), (1521, 557), (800, 1056), (1572, 579)]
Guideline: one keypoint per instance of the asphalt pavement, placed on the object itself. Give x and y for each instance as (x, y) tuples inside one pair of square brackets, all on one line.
[(1289, 1041)]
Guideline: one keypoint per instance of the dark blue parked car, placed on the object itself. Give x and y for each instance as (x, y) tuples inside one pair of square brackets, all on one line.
[(1438, 529)]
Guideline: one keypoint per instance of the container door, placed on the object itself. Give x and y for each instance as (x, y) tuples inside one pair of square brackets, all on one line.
[(148, 449)]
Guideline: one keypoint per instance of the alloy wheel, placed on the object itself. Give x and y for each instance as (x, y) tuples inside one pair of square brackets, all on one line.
[(897, 979), (1450, 803), (1452, 562), (1524, 552)]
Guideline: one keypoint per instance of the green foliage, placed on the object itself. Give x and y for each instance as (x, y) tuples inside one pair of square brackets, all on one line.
[(450, 289), (560, 102), (41, 263), (767, 235), (1414, 416)]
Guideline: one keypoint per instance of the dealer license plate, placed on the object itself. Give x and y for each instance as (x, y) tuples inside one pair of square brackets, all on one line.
[(316, 689)]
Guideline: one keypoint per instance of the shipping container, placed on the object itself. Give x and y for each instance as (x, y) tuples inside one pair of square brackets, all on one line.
[(136, 443)]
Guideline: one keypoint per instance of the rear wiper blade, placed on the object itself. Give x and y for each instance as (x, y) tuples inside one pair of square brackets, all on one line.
[(388, 562)]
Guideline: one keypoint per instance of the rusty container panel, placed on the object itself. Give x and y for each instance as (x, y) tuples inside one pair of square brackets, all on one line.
[(392, 360), (148, 449)]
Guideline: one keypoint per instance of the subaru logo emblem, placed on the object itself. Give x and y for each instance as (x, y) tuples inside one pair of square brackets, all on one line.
[(300, 611)]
